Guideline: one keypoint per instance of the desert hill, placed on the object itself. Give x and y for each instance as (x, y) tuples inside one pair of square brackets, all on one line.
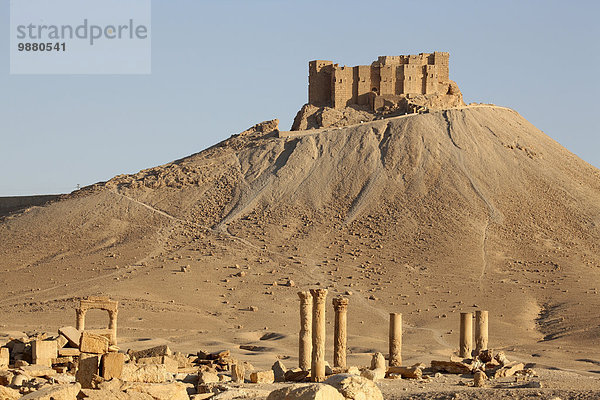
[(426, 215)]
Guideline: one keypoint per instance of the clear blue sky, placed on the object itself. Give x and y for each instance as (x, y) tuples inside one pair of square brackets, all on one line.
[(219, 67)]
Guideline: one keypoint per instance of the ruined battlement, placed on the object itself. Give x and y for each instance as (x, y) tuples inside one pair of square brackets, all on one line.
[(338, 86)]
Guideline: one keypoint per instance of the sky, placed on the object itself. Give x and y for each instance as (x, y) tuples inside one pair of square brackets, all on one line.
[(219, 67)]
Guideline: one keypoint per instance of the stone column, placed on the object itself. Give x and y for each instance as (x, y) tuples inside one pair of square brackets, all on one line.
[(340, 306), (395, 340), (112, 325), (80, 324), (466, 334), (481, 331), (317, 369), (305, 342)]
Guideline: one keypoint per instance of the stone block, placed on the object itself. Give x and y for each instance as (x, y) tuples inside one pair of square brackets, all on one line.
[(43, 351), (105, 394), (162, 350), (279, 371), (6, 377), (88, 367), (149, 373), (62, 360), (262, 377), (61, 342), (296, 375), (92, 343), (308, 391), (161, 391), (37, 370), (71, 334), (68, 352), (55, 392), (373, 374), (4, 357), (414, 372), (9, 394), (238, 372), (377, 361), (355, 387), (171, 364), (112, 365), (207, 377), (150, 360)]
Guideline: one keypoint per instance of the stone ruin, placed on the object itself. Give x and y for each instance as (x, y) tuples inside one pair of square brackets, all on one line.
[(80, 364), (99, 303), (390, 86)]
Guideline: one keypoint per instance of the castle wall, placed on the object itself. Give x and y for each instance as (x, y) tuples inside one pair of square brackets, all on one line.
[(341, 86), (343, 81), (319, 82)]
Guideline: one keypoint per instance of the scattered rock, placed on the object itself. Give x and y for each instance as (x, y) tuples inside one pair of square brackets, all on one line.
[(149, 373), (309, 391), (55, 392), (452, 367), (162, 350), (354, 387), (279, 371), (238, 372), (296, 375), (207, 377), (262, 377), (414, 372), (509, 370), (377, 361), (479, 379), (72, 335), (9, 394), (373, 374), (161, 391)]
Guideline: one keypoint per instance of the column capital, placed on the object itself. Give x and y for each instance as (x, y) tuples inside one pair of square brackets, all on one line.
[(319, 295), (304, 296), (340, 303)]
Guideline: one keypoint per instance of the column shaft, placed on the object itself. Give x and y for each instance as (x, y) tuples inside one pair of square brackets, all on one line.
[(112, 325), (481, 331), (305, 340), (318, 335), (340, 306), (466, 334), (80, 323), (395, 340)]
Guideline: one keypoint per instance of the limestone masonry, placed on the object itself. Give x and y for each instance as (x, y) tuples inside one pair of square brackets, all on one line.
[(390, 86), (339, 86)]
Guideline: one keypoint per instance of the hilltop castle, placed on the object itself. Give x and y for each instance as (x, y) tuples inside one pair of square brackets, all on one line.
[(391, 85), (339, 86)]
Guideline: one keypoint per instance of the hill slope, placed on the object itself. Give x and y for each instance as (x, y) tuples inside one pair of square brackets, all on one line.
[(426, 215)]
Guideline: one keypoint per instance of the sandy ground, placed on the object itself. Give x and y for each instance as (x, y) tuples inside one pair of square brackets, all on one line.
[(428, 216)]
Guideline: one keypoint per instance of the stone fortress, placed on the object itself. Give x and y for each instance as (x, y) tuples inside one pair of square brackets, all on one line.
[(390, 86), (338, 86)]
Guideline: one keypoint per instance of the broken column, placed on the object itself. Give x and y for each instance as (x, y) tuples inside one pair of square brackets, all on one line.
[(305, 342), (340, 306), (481, 331), (466, 334), (395, 340), (112, 326), (317, 369), (80, 324)]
